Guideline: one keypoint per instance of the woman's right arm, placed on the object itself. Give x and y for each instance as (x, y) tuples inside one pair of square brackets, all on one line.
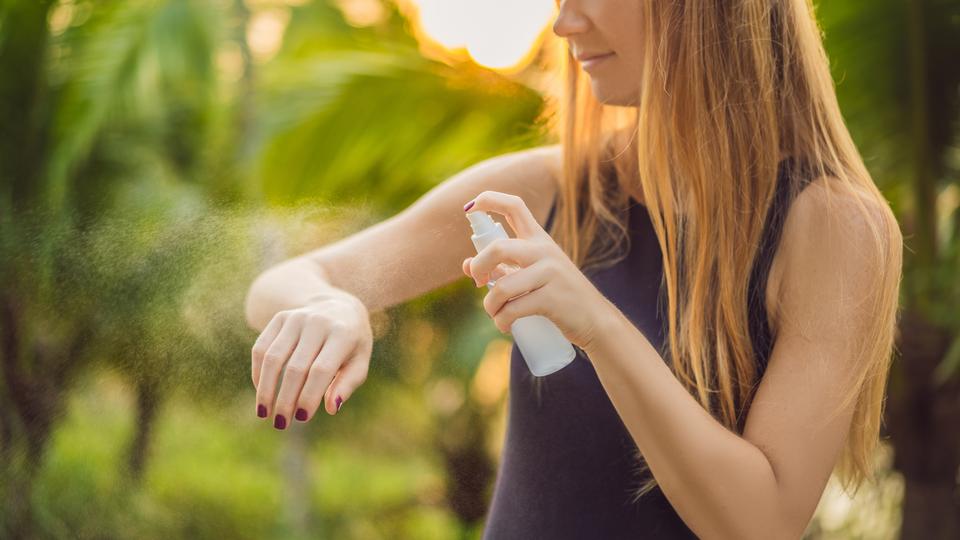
[(410, 253), (323, 298)]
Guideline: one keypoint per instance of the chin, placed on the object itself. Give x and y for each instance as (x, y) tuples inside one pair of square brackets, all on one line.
[(612, 97)]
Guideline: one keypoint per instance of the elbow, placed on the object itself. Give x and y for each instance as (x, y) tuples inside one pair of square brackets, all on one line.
[(792, 529), (762, 531), (759, 520), (775, 527)]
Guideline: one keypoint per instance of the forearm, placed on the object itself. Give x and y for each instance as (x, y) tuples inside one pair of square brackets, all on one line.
[(722, 485), (287, 285)]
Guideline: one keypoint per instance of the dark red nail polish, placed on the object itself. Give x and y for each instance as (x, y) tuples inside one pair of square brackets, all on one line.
[(339, 402), (468, 206), (280, 422), (301, 415), (262, 411)]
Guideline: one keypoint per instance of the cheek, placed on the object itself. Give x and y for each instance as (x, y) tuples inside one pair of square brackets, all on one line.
[(619, 82)]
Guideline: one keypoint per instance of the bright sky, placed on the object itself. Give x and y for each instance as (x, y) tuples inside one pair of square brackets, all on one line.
[(499, 34)]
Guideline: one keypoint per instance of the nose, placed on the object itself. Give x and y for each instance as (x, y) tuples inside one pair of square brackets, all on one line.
[(570, 20)]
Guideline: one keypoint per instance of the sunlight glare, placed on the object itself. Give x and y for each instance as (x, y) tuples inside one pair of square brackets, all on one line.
[(498, 34)]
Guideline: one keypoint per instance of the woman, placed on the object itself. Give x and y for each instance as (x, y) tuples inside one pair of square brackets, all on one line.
[(716, 250)]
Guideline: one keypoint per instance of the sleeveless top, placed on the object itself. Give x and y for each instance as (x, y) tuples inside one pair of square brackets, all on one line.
[(568, 466)]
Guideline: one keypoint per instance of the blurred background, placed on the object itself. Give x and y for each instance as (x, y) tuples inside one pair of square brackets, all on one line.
[(156, 155)]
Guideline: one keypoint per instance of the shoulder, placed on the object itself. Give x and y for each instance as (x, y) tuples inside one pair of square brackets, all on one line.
[(840, 244), (833, 215)]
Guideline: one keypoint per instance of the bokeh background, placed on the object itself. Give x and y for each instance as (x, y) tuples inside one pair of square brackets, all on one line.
[(156, 155)]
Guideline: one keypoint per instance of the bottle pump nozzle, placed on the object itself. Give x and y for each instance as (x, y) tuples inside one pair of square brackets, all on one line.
[(485, 229)]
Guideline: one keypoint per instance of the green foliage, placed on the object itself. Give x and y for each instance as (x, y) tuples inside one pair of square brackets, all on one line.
[(151, 165), (138, 149), (897, 78)]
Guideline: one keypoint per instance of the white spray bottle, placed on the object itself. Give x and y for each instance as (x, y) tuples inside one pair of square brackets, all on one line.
[(542, 344)]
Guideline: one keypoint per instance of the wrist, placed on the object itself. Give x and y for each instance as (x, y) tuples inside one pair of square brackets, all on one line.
[(333, 293), (606, 327)]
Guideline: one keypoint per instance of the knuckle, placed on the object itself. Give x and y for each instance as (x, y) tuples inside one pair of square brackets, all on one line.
[(316, 318), (339, 326), (297, 372), (321, 369), (272, 358)]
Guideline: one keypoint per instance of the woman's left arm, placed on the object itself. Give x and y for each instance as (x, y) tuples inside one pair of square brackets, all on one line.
[(767, 482)]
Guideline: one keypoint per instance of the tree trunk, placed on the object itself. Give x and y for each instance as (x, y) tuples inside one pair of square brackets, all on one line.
[(23, 103), (931, 510), (923, 420), (36, 375), (148, 404)]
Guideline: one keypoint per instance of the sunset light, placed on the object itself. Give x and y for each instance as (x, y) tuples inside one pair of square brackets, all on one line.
[(499, 34)]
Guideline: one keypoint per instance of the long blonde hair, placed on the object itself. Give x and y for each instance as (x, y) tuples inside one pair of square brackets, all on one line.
[(727, 89)]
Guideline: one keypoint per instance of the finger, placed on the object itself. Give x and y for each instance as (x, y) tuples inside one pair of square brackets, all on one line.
[(295, 374), (514, 285), (533, 303), (351, 376), (512, 207), (335, 351), (273, 361), (503, 250), (261, 345), (466, 266)]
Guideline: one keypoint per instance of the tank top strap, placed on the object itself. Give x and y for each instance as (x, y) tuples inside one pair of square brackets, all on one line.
[(792, 178), (553, 208)]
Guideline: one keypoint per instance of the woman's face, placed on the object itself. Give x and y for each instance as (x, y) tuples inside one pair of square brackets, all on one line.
[(609, 31)]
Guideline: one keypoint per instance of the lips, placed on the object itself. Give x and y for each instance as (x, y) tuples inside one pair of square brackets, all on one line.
[(583, 57)]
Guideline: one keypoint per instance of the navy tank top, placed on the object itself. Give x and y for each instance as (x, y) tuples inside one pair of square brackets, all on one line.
[(567, 468)]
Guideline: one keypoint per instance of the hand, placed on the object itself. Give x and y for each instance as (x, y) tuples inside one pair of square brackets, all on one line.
[(548, 283), (325, 347)]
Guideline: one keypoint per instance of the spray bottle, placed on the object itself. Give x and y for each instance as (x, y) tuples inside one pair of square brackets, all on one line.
[(541, 343)]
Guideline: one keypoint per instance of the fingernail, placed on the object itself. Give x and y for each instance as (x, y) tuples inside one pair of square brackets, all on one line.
[(339, 402), (280, 422), (468, 206), (262, 411), (301, 415)]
